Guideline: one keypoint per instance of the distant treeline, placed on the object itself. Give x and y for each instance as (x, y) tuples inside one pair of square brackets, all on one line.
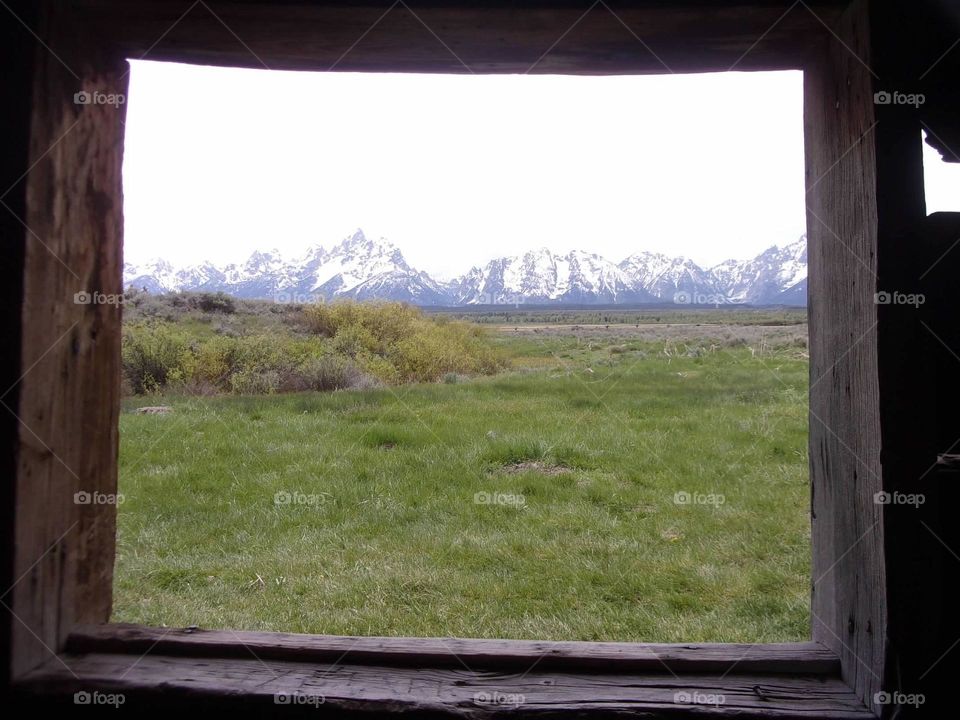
[(729, 315)]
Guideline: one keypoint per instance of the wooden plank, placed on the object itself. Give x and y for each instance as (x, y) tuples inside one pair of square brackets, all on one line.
[(916, 372), (796, 658), (69, 390), (849, 580), (16, 51), (254, 686), (483, 37)]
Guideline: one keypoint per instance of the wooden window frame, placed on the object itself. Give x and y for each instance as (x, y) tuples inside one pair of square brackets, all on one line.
[(64, 219)]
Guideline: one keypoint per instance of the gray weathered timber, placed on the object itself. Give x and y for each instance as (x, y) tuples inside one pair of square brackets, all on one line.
[(719, 658), (356, 690)]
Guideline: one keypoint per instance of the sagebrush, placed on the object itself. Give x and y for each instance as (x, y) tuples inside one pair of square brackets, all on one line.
[(179, 346)]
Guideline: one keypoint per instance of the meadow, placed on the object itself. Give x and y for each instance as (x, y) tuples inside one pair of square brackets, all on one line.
[(636, 480)]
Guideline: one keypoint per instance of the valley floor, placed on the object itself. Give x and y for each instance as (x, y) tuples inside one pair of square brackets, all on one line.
[(617, 483)]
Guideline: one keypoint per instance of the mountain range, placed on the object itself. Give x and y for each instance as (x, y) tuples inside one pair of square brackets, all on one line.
[(363, 269)]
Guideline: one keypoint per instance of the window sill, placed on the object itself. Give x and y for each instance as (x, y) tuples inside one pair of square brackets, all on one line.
[(434, 677)]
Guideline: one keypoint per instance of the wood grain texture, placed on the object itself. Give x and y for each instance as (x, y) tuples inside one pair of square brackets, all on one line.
[(719, 658), (71, 226), (16, 51), (916, 372), (69, 391), (504, 37), (160, 682), (849, 580)]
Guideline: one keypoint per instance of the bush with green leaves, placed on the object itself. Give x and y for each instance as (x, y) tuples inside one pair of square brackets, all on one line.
[(216, 302), (417, 348), (151, 354), (340, 345)]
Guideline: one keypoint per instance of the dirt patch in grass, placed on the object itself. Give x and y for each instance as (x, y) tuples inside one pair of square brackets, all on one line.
[(539, 466)]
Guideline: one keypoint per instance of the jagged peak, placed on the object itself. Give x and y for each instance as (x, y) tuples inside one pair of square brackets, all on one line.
[(584, 253), (259, 256), (155, 263), (359, 242), (538, 252), (360, 264)]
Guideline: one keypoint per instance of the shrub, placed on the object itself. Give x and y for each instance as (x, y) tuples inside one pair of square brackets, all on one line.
[(216, 302), (398, 343), (454, 378), (255, 382), (210, 362), (384, 322), (350, 344), (149, 354), (353, 340), (328, 372), (380, 370)]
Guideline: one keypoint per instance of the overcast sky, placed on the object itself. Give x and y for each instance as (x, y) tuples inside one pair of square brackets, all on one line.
[(458, 169)]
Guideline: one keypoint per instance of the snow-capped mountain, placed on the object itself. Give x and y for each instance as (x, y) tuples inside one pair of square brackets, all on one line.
[(773, 276), (669, 278), (539, 276), (155, 276), (364, 269), (357, 267)]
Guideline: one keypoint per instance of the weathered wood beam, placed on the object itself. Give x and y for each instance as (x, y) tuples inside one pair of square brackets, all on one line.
[(505, 37), (259, 686), (849, 611), (68, 407), (720, 658)]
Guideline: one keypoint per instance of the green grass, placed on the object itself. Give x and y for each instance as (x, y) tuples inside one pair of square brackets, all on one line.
[(597, 435)]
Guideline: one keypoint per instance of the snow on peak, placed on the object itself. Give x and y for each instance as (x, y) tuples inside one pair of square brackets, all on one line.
[(362, 267)]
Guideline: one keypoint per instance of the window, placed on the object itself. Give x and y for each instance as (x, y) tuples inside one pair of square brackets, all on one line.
[(67, 399), (331, 461)]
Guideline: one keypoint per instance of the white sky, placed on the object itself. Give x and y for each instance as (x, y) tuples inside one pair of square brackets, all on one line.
[(456, 170), (941, 182)]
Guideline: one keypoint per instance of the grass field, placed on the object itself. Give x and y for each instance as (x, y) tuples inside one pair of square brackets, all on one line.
[(623, 483)]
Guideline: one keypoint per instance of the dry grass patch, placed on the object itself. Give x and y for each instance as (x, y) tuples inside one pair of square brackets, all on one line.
[(544, 468)]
